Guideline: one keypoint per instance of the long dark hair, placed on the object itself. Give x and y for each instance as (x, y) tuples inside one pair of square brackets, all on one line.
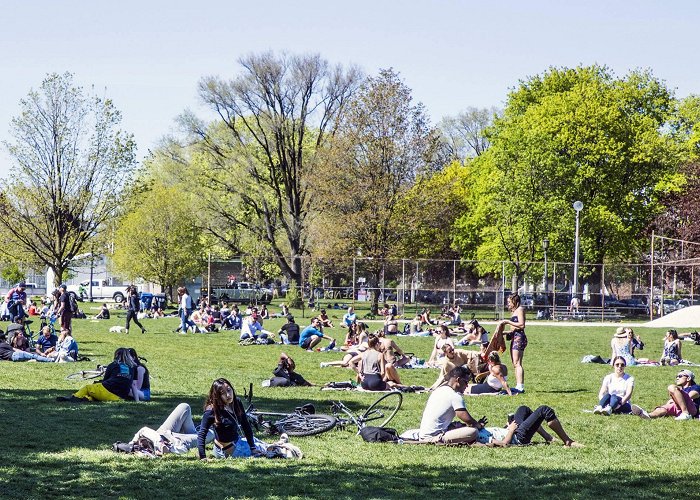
[(216, 403), (137, 359)]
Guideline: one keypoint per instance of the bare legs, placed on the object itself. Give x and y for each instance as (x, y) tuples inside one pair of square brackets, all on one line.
[(517, 359)]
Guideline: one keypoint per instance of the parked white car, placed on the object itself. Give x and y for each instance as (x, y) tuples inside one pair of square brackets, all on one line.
[(100, 290)]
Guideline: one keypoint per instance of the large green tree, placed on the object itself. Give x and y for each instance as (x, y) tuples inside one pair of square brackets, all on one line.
[(156, 239), (384, 141), (259, 159), (566, 135), (71, 164)]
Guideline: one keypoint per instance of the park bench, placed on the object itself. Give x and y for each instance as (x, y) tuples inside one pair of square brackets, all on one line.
[(587, 313)]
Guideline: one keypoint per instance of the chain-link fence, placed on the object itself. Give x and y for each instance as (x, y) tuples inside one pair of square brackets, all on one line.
[(606, 292)]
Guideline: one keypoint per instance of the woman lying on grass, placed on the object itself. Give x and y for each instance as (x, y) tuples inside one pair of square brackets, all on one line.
[(224, 412), (177, 434), (523, 428), (285, 374), (353, 352)]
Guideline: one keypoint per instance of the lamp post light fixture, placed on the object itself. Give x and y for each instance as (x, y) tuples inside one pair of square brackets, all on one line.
[(578, 206), (545, 246)]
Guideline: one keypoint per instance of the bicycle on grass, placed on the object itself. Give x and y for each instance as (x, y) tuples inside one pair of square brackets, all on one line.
[(379, 414), (87, 374), (304, 421)]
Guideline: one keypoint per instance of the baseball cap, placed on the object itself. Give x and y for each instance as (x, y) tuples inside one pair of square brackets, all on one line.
[(22, 284)]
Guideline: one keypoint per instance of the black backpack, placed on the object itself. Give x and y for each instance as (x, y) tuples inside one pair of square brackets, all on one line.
[(73, 304), (379, 434)]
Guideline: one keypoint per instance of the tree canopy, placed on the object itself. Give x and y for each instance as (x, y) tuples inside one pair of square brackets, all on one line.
[(568, 135), (275, 116), (157, 238), (71, 165)]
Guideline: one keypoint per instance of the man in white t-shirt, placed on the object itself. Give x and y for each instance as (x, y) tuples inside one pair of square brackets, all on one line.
[(444, 404)]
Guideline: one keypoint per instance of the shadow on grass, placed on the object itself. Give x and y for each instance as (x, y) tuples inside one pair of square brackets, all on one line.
[(62, 449), (188, 478)]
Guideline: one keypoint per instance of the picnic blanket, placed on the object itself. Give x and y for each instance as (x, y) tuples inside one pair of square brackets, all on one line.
[(350, 386)]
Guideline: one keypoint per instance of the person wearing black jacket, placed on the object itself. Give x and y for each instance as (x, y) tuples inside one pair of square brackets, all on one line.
[(133, 308), (284, 374), (224, 413), (289, 333)]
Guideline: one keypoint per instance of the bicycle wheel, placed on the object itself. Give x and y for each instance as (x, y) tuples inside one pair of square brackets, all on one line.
[(306, 425), (85, 375), (382, 410)]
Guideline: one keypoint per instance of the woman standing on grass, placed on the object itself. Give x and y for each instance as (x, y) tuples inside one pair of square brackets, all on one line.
[(517, 336), (186, 308), (224, 412), (133, 308), (616, 391)]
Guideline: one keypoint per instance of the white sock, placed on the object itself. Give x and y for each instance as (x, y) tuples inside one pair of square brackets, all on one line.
[(520, 387)]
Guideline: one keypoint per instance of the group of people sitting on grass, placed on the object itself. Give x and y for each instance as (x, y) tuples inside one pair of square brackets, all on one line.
[(615, 395), (446, 402), (49, 348)]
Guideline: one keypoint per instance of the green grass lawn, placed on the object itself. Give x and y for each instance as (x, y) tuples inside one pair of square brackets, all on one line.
[(52, 449)]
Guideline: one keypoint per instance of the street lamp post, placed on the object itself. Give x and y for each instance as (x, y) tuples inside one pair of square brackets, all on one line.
[(545, 246), (578, 206)]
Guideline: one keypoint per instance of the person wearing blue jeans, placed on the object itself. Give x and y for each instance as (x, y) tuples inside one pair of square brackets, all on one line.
[(186, 308), (9, 353), (15, 299), (616, 390)]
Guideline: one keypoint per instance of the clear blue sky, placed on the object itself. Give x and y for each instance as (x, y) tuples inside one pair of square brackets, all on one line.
[(149, 55)]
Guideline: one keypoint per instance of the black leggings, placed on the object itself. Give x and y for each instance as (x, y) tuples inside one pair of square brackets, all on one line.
[(373, 382), (131, 314), (483, 389), (529, 421)]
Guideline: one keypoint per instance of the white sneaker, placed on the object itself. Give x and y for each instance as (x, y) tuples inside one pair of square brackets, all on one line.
[(684, 416), (607, 411), (639, 411), (598, 410)]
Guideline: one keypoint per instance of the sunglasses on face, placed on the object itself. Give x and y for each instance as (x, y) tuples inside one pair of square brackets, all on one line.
[(681, 376)]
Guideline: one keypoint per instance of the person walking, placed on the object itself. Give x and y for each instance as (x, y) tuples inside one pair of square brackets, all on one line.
[(133, 308), (186, 308)]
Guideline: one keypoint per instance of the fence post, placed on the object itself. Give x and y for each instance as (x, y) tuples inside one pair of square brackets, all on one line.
[(403, 287), (454, 282), (354, 280), (602, 293), (651, 279), (554, 289)]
